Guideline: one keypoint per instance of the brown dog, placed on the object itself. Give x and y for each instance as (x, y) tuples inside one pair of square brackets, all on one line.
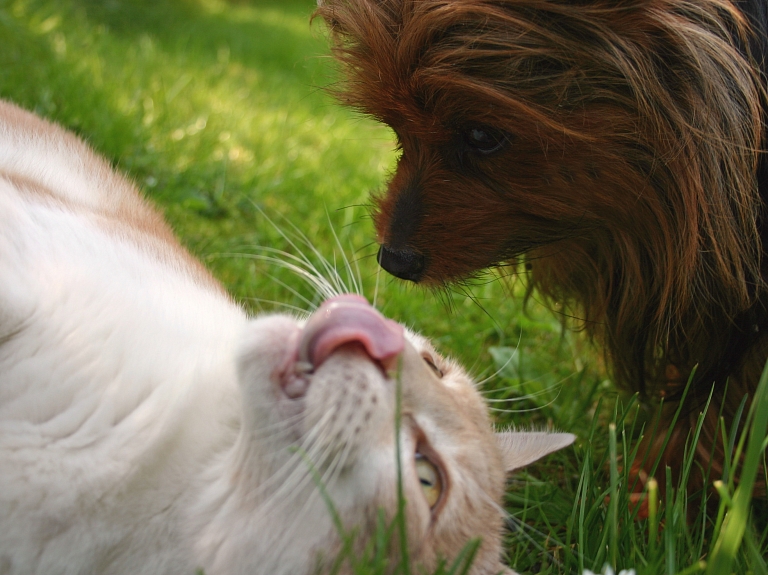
[(612, 147)]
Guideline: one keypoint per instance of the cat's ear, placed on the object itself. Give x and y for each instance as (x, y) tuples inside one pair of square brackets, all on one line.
[(520, 448)]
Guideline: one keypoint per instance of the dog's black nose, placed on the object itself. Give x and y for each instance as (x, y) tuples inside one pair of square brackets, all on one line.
[(405, 263)]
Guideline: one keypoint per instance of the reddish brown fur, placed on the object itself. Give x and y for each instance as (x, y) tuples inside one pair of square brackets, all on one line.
[(627, 185)]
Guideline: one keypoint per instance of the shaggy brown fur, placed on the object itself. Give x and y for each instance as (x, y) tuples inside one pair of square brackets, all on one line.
[(612, 146)]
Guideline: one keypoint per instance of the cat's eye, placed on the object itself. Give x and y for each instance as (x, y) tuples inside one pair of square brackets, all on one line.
[(485, 140), (432, 365), (429, 477)]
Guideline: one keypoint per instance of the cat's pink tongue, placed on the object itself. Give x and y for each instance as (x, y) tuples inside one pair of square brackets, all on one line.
[(346, 319)]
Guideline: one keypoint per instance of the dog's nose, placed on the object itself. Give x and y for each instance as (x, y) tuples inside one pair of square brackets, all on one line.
[(404, 263)]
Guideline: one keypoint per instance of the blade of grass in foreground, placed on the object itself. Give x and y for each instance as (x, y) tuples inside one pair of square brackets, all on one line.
[(400, 493), (735, 524)]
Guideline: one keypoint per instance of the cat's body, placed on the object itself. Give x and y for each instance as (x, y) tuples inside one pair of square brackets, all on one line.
[(147, 425)]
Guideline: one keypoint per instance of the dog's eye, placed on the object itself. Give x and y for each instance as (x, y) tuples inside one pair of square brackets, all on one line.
[(432, 365), (485, 140)]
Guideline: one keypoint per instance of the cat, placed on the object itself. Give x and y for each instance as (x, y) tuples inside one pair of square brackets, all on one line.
[(149, 425)]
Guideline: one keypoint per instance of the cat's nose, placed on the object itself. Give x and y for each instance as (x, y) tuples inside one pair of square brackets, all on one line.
[(404, 263), (346, 319)]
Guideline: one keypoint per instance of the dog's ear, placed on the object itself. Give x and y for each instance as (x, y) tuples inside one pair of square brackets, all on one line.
[(521, 448)]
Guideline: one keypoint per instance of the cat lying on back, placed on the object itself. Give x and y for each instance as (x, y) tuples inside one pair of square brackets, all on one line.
[(148, 425)]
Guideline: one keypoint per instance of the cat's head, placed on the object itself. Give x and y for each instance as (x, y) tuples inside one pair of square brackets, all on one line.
[(317, 454)]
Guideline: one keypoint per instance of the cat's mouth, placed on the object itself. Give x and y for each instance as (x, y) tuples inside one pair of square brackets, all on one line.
[(342, 321)]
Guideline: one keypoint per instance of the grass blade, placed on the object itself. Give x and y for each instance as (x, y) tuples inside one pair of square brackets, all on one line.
[(735, 523)]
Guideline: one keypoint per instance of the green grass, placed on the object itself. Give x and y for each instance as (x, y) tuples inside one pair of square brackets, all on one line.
[(216, 109)]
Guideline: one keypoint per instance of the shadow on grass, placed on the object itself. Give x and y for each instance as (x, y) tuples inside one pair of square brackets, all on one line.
[(271, 38), (268, 35)]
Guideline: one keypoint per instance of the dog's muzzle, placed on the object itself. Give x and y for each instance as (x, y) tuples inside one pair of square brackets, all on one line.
[(404, 263)]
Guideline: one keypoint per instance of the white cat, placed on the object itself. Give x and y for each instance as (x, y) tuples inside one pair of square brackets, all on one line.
[(149, 426)]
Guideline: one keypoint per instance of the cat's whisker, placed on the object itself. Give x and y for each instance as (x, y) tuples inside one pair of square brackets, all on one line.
[(316, 435), (499, 410), (306, 275), (302, 266), (320, 284), (506, 363), (292, 467), (286, 483), (520, 399), (279, 427), (520, 384), (546, 391), (293, 475), (337, 284), (291, 262), (347, 265), (299, 261), (326, 276), (300, 311), (340, 460), (516, 388), (336, 279), (489, 500), (302, 237), (300, 480), (329, 270)]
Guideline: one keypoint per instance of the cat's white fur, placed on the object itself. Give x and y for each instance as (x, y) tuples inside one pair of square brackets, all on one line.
[(145, 426)]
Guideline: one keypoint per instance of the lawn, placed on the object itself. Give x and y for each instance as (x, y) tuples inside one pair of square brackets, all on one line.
[(217, 110)]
